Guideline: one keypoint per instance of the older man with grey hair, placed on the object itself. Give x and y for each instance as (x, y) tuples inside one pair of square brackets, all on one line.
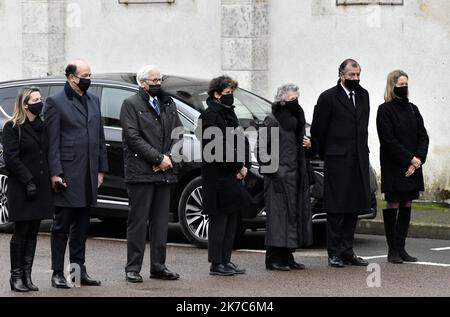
[(148, 119)]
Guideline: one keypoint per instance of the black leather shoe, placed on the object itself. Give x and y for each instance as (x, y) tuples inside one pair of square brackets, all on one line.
[(277, 267), (335, 261), (59, 281), (222, 270), (134, 277), (235, 268), (165, 274), (355, 261), (86, 280), (295, 265)]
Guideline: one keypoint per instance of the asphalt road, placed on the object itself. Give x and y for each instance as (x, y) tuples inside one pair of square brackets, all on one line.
[(106, 254)]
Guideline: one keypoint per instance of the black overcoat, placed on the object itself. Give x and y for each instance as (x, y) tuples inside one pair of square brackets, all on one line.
[(222, 192), (402, 136), (26, 160), (286, 192), (77, 148), (341, 130)]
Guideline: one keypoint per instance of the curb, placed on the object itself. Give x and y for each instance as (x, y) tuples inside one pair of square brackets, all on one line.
[(416, 230)]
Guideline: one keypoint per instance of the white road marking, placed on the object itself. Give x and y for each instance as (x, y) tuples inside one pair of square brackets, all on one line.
[(374, 257), (417, 263), (429, 264), (440, 249)]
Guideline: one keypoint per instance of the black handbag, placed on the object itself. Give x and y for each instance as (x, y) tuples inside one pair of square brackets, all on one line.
[(232, 196)]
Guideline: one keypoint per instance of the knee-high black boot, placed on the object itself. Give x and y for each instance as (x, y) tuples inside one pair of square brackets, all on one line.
[(390, 220), (16, 254), (30, 250), (403, 220)]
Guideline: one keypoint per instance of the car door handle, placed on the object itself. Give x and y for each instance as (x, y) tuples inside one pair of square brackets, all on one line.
[(108, 145)]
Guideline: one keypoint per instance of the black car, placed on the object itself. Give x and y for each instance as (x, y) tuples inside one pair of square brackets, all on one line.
[(186, 204)]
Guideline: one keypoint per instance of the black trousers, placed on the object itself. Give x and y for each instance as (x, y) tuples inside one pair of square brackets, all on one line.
[(221, 234), (340, 234), (69, 224), (25, 231), (150, 204), (279, 255)]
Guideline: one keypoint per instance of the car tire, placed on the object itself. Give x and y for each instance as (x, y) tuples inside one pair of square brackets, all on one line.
[(5, 225), (194, 223)]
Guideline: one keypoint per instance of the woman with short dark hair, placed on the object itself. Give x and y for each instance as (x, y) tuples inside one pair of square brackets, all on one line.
[(29, 193), (404, 147), (223, 192)]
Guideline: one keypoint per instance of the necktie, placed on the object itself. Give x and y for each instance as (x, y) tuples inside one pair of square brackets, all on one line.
[(156, 106), (351, 98)]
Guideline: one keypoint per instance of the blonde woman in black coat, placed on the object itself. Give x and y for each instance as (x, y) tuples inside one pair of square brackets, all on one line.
[(29, 193), (404, 147)]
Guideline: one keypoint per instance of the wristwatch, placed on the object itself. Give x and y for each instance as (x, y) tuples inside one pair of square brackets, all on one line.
[(160, 158)]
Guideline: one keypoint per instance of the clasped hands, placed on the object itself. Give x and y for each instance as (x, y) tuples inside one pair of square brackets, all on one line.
[(165, 165), (416, 163)]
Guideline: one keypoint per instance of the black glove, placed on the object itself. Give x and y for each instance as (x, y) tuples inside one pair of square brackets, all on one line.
[(31, 190)]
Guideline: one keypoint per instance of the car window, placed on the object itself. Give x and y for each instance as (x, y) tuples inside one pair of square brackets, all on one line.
[(55, 89), (250, 109), (111, 103), (8, 97)]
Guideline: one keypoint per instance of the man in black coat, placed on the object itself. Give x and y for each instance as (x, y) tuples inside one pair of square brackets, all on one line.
[(340, 124), (148, 120), (77, 160)]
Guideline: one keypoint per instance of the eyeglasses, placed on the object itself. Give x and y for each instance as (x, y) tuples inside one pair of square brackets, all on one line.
[(155, 81)]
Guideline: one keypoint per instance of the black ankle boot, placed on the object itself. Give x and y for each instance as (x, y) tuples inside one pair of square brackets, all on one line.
[(390, 220), (30, 250), (403, 220), (16, 254)]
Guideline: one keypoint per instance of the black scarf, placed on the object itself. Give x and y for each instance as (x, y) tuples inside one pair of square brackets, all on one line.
[(37, 125)]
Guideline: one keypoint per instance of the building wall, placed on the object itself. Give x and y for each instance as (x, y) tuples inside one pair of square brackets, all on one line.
[(10, 40), (310, 38), (181, 38)]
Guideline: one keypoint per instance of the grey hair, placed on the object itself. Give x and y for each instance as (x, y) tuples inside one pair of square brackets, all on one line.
[(282, 92), (143, 72)]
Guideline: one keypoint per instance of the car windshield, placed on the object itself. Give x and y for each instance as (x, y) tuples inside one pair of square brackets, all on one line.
[(251, 110)]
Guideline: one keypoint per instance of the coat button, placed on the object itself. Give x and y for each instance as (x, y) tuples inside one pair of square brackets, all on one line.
[(42, 172)]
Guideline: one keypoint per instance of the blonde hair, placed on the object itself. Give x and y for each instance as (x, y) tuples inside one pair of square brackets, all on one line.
[(19, 116), (392, 80)]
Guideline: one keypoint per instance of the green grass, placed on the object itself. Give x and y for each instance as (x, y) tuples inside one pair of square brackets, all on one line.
[(420, 206)]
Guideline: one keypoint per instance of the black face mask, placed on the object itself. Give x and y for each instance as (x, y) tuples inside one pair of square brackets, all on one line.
[(227, 100), (351, 84), (154, 90), (401, 92), (292, 106), (36, 108), (84, 84)]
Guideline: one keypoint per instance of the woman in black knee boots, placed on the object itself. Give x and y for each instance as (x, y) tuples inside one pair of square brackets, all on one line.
[(404, 147), (29, 193)]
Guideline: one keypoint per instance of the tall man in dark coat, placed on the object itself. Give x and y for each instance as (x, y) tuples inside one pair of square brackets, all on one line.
[(148, 120), (77, 160), (340, 124)]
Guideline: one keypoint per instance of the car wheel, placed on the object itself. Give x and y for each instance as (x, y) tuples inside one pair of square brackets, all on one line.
[(194, 223), (5, 225)]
